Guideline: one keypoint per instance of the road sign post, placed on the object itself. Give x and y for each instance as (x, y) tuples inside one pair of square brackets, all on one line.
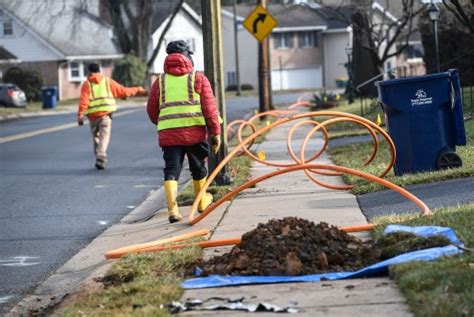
[(260, 24)]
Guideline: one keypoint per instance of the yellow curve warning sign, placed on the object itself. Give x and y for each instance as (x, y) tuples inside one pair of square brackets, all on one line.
[(260, 23)]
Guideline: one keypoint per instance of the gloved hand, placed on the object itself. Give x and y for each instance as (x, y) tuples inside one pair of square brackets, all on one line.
[(142, 92), (80, 120), (215, 143)]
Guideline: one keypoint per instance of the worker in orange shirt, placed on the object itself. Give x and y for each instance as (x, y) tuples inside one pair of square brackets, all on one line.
[(97, 102)]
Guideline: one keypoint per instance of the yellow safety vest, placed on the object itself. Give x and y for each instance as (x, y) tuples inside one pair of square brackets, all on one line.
[(180, 104), (100, 97)]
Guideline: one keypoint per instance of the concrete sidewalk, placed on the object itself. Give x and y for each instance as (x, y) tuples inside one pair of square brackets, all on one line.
[(285, 195), (294, 195)]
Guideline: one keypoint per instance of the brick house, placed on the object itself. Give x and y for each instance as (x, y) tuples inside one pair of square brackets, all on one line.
[(58, 41)]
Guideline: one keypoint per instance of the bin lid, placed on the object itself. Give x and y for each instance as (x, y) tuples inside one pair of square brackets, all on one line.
[(413, 79), (416, 94)]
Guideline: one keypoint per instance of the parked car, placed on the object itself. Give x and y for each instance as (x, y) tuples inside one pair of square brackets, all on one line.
[(12, 96)]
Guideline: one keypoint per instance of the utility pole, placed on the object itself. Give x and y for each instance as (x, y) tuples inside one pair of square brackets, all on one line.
[(214, 70), (269, 68), (236, 51), (263, 78)]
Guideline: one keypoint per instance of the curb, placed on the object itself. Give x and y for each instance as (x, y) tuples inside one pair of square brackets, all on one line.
[(154, 201)]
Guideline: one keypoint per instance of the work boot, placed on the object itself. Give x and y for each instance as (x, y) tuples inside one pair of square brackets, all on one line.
[(206, 199), (171, 190), (100, 164)]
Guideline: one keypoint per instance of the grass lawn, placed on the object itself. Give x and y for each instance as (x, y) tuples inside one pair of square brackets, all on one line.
[(444, 287), (254, 92), (354, 155), (239, 171), (36, 106), (346, 129), (468, 98), (137, 285)]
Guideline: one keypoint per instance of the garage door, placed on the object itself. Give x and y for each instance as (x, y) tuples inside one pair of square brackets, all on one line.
[(297, 78)]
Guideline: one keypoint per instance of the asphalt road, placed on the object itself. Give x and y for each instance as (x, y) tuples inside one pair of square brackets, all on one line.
[(54, 201), (435, 195)]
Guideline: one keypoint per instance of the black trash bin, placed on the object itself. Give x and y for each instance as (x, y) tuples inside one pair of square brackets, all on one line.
[(50, 97), (424, 117)]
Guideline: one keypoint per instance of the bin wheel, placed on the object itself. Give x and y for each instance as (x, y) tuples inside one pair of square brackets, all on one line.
[(449, 160)]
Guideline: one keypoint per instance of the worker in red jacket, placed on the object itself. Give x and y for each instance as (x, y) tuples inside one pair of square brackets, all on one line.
[(182, 106)]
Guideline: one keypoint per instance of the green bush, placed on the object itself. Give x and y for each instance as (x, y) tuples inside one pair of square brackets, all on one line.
[(231, 88), (130, 71), (324, 100), (28, 80), (246, 87)]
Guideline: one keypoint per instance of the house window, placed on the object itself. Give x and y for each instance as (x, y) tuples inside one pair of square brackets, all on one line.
[(283, 40), (307, 39), (6, 25), (231, 79), (77, 71)]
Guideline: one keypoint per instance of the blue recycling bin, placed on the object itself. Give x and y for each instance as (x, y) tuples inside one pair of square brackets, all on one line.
[(50, 97), (424, 117)]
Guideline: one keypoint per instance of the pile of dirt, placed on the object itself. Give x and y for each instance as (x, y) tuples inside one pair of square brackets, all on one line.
[(397, 243), (293, 246)]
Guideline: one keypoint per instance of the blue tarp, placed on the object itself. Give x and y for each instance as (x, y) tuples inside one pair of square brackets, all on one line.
[(380, 267)]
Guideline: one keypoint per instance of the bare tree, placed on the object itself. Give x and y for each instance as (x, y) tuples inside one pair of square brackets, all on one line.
[(162, 35), (463, 11), (132, 22), (378, 33), (376, 29)]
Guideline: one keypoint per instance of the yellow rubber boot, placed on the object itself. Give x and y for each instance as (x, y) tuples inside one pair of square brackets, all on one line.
[(171, 190), (206, 200)]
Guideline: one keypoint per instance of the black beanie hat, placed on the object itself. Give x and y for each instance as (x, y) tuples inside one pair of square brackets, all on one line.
[(180, 47), (94, 68)]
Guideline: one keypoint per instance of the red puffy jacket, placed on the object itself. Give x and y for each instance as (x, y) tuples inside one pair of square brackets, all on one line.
[(177, 64)]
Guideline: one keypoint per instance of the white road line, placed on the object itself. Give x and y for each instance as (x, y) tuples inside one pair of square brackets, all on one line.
[(30, 134), (5, 299), (19, 261)]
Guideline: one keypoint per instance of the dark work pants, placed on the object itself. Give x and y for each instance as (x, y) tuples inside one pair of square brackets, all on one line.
[(174, 157)]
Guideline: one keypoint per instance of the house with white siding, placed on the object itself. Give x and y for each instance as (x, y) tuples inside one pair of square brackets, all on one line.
[(186, 26), (58, 41)]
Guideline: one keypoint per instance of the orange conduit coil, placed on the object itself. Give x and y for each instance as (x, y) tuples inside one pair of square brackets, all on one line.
[(300, 104), (346, 118), (349, 117), (424, 209), (154, 245), (234, 241), (285, 116)]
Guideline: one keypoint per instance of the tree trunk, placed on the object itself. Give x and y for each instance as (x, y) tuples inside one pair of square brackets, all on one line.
[(364, 63)]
